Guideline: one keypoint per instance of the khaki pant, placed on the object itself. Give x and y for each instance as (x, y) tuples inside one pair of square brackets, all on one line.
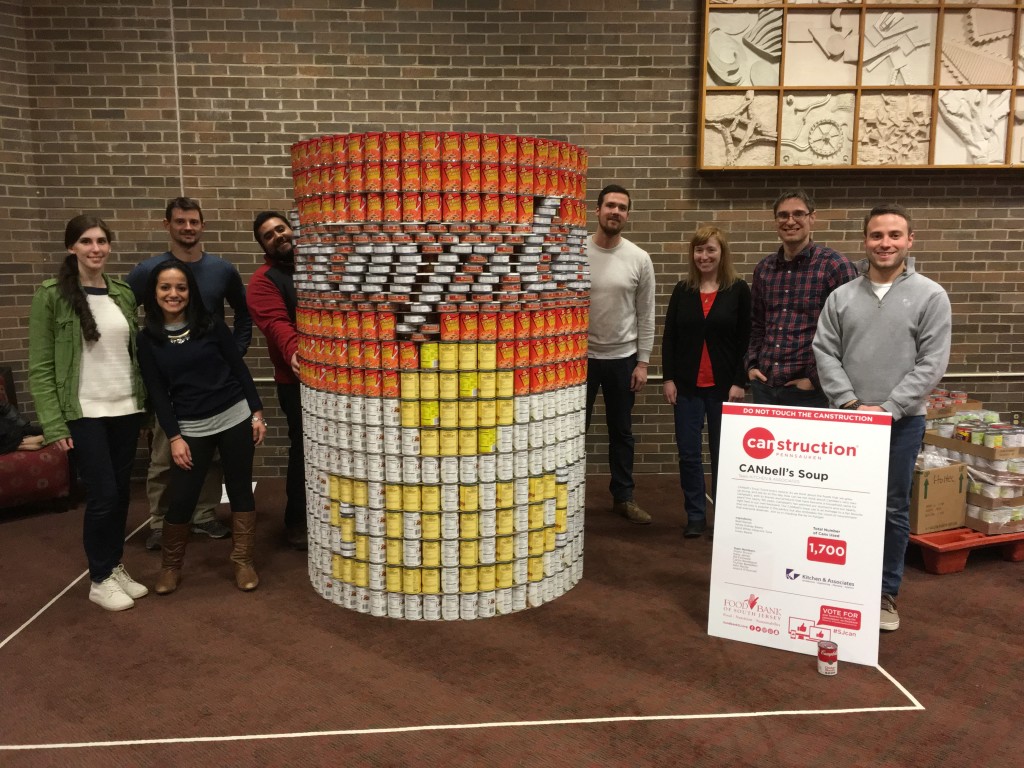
[(157, 484)]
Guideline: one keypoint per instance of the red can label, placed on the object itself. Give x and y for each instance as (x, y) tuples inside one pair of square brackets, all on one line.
[(391, 146), (430, 146), (386, 323), (470, 176), (828, 657), (489, 148), (524, 209), (389, 355), (374, 206), (509, 208), (355, 148), (432, 206), (373, 382), (521, 381), (392, 206), (451, 206), (541, 154), (471, 147), (451, 146), (357, 207), (408, 355), (490, 177), (372, 147), (522, 353), (490, 205), (410, 146), (410, 172), (391, 176), (506, 355), (471, 208), (389, 384), (508, 150), (430, 178), (469, 325), (412, 206), (372, 176), (508, 179), (449, 326), (356, 177), (526, 154), (451, 176), (525, 181)]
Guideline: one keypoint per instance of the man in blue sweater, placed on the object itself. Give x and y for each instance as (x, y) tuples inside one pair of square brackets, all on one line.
[(882, 345), (218, 281)]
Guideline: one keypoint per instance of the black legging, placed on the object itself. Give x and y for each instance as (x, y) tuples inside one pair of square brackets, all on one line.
[(236, 452)]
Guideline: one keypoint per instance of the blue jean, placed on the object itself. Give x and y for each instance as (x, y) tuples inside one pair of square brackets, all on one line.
[(809, 398), (613, 376), (904, 445), (690, 411), (104, 453), (290, 399)]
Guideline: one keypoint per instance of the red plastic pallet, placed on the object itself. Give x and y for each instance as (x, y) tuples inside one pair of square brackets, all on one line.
[(946, 551)]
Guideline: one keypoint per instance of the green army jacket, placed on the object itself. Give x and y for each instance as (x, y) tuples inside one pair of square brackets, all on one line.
[(55, 355)]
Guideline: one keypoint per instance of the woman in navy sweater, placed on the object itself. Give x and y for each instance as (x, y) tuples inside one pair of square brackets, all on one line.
[(706, 333), (205, 400)]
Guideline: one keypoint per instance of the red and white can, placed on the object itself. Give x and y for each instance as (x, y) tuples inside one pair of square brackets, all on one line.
[(828, 657)]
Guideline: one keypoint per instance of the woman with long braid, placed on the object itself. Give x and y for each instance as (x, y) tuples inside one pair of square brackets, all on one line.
[(89, 397)]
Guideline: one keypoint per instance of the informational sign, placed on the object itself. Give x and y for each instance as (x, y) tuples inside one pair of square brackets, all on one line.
[(799, 528)]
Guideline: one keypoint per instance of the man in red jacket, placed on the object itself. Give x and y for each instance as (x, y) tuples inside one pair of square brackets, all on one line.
[(271, 299)]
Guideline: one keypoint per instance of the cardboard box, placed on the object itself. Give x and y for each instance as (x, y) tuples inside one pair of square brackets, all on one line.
[(949, 410), (984, 501), (938, 498), (952, 444), (991, 529)]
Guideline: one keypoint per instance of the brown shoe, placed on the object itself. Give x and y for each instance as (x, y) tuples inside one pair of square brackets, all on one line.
[(632, 512), (243, 528), (175, 537)]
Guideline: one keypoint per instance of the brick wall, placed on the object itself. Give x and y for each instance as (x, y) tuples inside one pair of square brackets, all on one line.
[(115, 107)]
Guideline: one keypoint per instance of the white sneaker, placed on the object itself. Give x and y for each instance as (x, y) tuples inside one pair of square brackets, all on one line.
[(108, 594), (131, 587)]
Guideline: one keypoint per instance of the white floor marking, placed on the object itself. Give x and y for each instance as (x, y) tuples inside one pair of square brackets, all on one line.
[(915, 706)]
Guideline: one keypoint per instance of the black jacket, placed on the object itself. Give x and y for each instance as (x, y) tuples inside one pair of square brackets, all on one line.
[(726, 331)]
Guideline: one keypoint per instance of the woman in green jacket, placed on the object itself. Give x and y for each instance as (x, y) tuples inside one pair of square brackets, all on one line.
[(89, 397)]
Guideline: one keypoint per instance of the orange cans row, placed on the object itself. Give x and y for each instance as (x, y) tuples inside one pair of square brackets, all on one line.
[(439, 176), (432, 146), (397, 207)]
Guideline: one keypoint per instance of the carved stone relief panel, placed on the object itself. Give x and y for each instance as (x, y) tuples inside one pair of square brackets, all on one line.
[(899, 48), (894, 128), (1017, 147), (821, 48), (744, 47), (971, 129), (817, 128), (977, 47), (739, 129)]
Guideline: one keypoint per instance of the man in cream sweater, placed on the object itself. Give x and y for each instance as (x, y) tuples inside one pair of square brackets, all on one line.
[(621, 337)]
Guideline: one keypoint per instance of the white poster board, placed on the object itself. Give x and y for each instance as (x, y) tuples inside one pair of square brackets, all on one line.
[(799, 527)]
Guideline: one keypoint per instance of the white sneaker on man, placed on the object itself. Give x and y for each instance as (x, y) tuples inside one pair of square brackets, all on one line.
[(109, 595), (130, 586)]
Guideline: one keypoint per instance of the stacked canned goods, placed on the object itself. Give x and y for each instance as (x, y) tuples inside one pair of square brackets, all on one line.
[(443, 364), (434, 176)]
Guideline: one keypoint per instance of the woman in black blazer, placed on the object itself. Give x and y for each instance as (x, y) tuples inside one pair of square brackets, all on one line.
[(706, 333)]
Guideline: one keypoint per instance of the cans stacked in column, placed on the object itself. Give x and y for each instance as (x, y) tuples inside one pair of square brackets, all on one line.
[(443, 360)]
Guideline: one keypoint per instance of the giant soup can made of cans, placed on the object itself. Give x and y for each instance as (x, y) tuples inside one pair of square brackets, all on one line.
[(442, 316)]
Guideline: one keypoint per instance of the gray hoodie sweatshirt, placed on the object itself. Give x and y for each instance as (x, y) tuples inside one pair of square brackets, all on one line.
[(890, 352)]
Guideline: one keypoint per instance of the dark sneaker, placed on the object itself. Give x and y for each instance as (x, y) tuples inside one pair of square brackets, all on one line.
[(155, 540), (632, 512), (890, 618), (694, 529), (212, 528)]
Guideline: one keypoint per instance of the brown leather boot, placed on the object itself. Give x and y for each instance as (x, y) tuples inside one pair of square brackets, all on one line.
[(243, 528), (174, 539)]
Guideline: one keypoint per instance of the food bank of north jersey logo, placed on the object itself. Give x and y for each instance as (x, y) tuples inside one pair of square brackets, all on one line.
[(760, 443)]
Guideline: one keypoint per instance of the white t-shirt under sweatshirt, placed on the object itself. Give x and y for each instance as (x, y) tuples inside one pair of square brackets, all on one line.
[(621, 301)]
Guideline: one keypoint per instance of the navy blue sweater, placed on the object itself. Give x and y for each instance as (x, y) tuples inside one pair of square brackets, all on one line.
[(195, 379)]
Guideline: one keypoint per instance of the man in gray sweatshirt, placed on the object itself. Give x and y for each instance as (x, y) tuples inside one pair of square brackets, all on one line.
[(882, 344)]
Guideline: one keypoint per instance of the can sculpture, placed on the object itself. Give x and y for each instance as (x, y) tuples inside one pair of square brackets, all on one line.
[(443, 300)]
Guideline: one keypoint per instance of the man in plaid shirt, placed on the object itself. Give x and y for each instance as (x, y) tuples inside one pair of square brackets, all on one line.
[(789, 289)]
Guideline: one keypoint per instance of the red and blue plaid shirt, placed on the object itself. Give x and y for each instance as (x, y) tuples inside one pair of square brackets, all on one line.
[(786, 299)]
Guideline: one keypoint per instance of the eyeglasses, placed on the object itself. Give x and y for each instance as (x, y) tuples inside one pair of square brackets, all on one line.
[(783, 216)]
